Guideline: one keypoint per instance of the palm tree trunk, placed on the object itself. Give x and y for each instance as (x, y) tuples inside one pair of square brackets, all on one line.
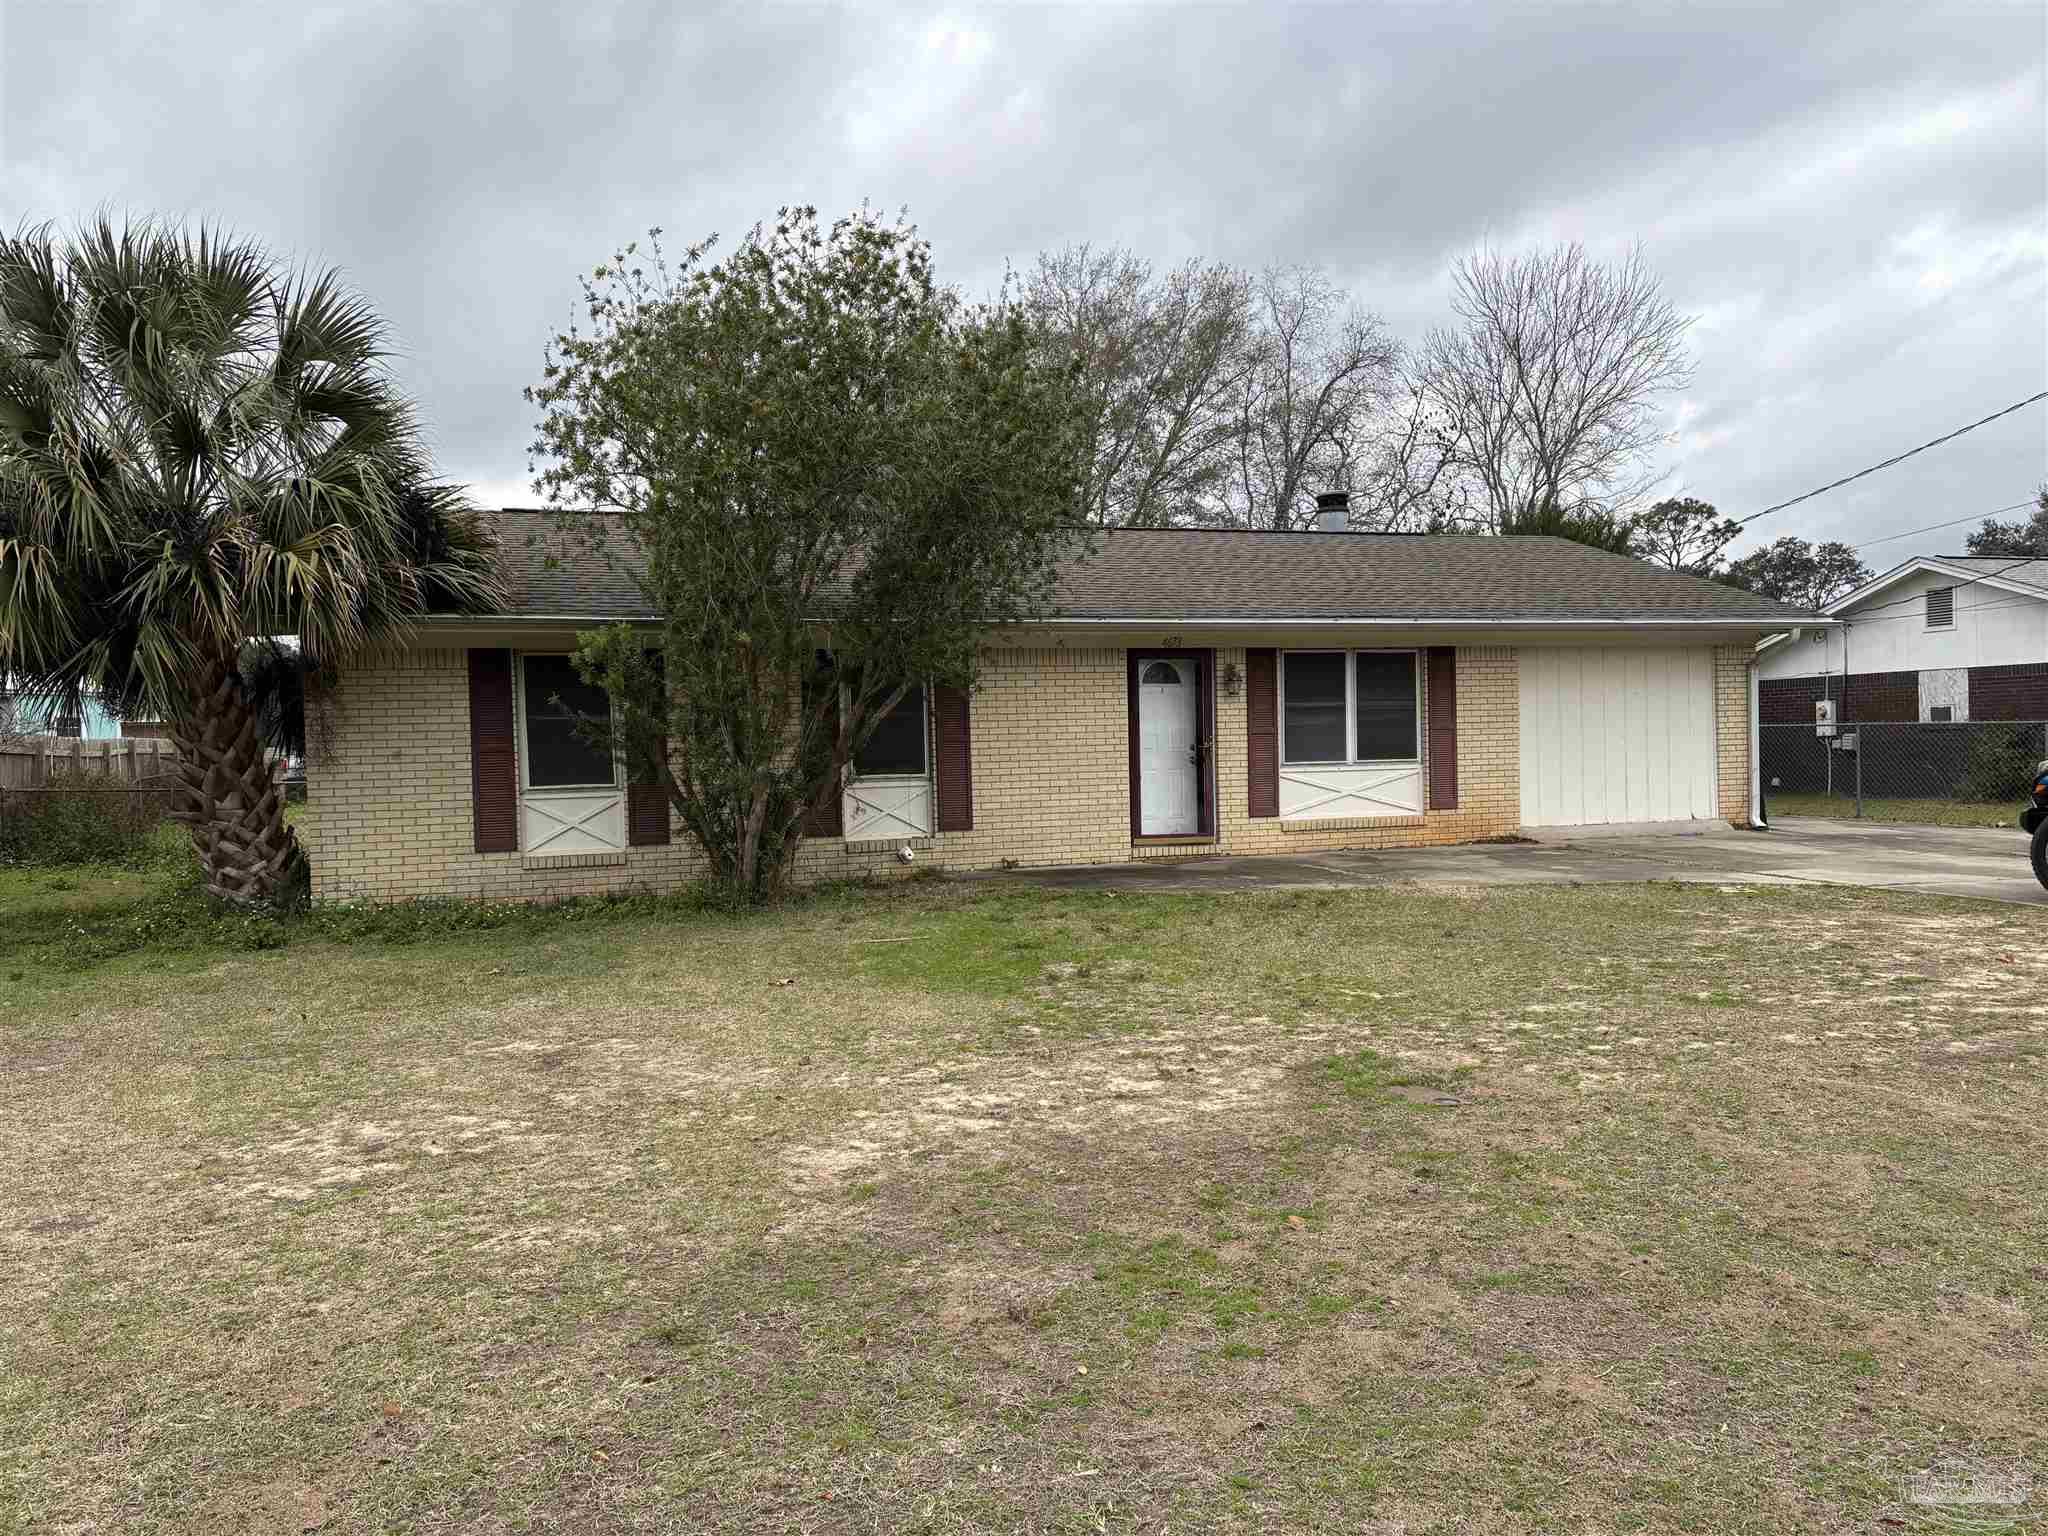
[(230, 802)]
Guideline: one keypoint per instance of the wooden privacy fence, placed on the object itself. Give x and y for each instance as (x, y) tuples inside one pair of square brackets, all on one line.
[(30, 762)]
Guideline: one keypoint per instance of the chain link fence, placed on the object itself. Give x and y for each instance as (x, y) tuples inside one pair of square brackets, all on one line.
[(1960, 773)]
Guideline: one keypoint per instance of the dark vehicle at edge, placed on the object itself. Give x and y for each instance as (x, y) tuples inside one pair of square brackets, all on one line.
[(2034, 819)]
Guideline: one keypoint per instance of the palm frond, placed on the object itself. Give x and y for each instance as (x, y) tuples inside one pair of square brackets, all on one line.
[(198, 445)]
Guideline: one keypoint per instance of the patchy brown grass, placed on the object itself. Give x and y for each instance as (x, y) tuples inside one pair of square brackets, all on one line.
[(1600, 1209)]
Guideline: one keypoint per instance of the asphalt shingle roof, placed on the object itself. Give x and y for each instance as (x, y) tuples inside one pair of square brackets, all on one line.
[(551, 573), (1229, 574), (1235, 575)]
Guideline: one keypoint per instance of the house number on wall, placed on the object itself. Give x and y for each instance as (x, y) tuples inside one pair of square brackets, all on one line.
[(1169, 643)]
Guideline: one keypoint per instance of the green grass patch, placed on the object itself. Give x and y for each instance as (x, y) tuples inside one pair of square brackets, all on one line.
[(1923, 812)]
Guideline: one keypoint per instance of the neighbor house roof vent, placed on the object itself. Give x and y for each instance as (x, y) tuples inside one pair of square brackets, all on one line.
[(1333, 512)]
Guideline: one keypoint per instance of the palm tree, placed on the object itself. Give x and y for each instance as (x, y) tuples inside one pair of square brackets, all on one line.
[(200, 445)]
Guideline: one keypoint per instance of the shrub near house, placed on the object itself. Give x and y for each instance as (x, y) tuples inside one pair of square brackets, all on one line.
[(819, 432), (78, 819)]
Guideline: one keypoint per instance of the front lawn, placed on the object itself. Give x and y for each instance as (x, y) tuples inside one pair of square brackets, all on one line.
[(979, 1208)]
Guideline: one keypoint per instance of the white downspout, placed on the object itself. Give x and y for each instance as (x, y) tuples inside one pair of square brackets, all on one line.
[(1756, 745)]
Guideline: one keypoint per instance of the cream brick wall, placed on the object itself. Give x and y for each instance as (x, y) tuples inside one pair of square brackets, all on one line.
[(1731, 729), (387, 784), (388, 780), (1489, 769)]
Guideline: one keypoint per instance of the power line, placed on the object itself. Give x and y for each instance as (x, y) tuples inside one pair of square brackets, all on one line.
[(1851, 621), (1897, 458), (1937, 527)]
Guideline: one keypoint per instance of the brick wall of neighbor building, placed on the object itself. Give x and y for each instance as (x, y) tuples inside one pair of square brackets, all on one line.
[(389, 780), (1870, 696), (2015, 692)]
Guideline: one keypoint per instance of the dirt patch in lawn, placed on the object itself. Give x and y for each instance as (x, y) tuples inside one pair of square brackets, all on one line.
[(1138, 1085)]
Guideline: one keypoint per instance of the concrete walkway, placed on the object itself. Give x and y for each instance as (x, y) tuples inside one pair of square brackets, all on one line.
[(1937, 861)]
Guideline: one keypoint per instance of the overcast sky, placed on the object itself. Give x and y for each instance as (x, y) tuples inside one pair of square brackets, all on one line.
[(1853, 200)]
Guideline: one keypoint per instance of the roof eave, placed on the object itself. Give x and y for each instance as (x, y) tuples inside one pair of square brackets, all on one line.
[(1230, 621), (1444, 621), (1920, 564)]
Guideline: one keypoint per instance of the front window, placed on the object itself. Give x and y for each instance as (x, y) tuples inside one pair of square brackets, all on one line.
[(555, 701), (1313, 719), (1349, 707), (897, 747)]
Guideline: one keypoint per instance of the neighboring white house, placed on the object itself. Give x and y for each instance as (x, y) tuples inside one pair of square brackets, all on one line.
[(1934, 638), (28, 714)]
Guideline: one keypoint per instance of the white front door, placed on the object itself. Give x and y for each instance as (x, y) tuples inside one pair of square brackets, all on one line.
[(1617, 735), (1169, 783)]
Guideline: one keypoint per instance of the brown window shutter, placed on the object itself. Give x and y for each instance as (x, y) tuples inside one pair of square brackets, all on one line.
[(955, 760), (646, 815), (823, 818), (493, 753), (646, 800), (1443, 728), (1262, 732)]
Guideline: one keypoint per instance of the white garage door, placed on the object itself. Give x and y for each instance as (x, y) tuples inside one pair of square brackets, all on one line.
[(1616, 735)]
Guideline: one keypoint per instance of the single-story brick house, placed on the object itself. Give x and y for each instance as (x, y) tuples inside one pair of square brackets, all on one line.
[(1199, 691)]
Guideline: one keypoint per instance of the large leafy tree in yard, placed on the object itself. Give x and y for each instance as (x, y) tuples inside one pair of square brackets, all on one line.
[(1794, 571), (200, 446), (835, 477)]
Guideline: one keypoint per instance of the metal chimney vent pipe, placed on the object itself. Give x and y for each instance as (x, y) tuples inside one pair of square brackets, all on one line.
[(1333, 512)]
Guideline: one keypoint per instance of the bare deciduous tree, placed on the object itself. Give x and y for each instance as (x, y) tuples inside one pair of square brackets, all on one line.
[(1321, 369), (1161, 361), (1404, 473), (1548, 388)]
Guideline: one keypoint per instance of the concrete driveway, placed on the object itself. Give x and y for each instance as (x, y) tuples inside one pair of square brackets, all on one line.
[(1937, 861)]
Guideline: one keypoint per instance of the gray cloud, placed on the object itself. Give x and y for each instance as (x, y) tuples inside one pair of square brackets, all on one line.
[(1854, 199)]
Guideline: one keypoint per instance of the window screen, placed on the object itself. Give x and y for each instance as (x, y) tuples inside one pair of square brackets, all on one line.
[(897, 747), (1941, 607), (1386, 705), (1312, 688), (557, 754)]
